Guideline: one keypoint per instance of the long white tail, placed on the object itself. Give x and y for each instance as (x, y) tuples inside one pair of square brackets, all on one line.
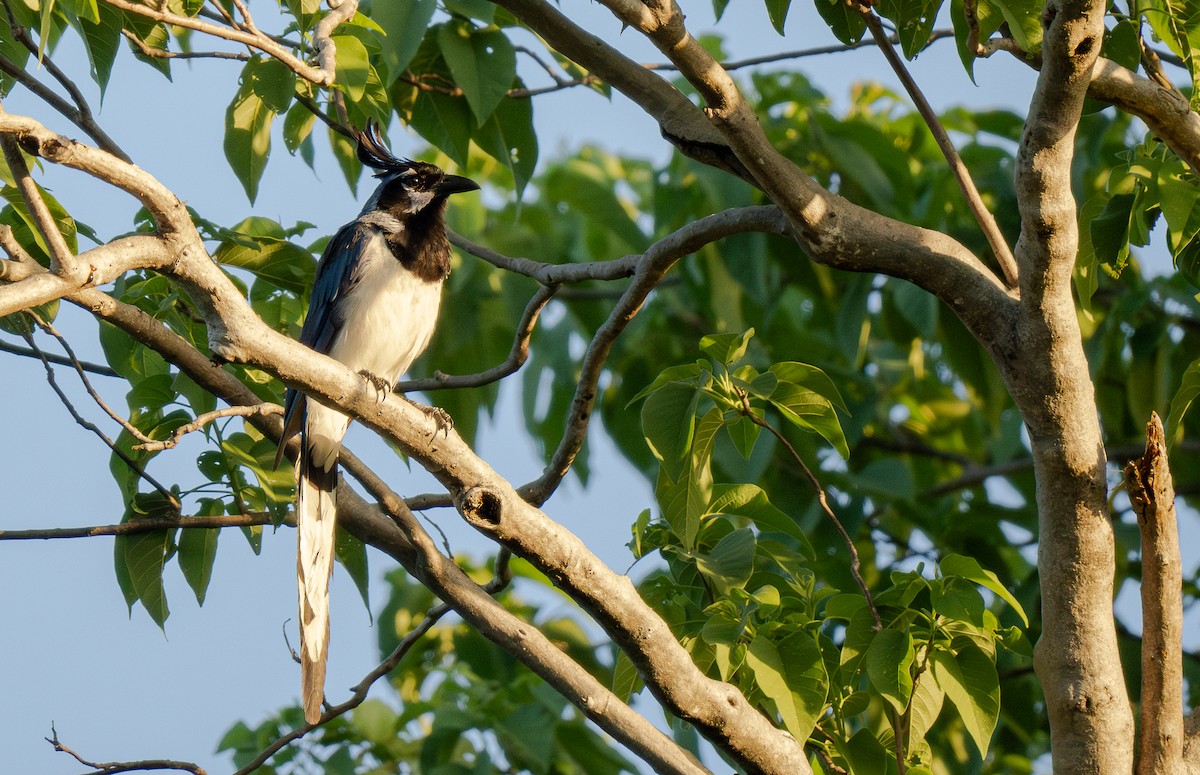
[(315, 520)]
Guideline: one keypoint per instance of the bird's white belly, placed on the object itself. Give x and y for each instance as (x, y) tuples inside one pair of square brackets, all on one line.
[(389, 317)]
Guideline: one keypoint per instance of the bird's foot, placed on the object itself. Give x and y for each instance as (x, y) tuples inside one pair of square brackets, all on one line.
[(441, 418), (383, 388)]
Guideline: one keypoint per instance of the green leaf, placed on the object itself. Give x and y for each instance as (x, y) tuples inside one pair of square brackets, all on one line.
[(751, 501), (864, 752), (1109, 231), (969, 680), (508, 136), (405, 25), (846, 23), (375, 721), (352, 554), (687, 372), (102, 40), (248, 138), (970, 569), (271, 80), (889, 663), (197, 552), (353, 65), (927, 699), (668, 421), (792, 674), (152, 35), (482, 61), (278, 261), (914, 22), (744, 432), (726, 348), (731, 561), (1189, 388), (144, 555), (480, 10), (917, 306), (66, 224), (344, 152), (809, 377), (810, 411), (777, 11), (1024, 18), (444, 121), (297, 126)]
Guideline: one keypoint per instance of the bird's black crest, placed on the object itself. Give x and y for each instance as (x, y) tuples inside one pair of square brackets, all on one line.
[(374, 154)]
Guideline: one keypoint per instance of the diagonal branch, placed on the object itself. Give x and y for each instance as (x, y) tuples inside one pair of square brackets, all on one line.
[(983, 216), (90, 426), (402, 536), (62, 261), (831, 230)]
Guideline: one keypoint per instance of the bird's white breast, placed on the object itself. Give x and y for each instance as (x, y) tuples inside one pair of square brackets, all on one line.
[(388, 319)]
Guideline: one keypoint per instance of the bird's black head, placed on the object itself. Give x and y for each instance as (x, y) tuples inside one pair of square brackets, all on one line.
[(407, 187)]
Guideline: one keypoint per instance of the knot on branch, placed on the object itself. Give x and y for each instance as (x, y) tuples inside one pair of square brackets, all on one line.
[(481, 506), (51, 148)]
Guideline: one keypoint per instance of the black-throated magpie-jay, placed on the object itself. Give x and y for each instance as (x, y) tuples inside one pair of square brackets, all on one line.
[(374, 303)]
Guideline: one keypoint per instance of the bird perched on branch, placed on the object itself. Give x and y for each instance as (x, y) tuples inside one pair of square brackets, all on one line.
[(374, 304)]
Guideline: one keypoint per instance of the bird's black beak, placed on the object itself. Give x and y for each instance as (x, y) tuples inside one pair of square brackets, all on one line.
[(455, 184)]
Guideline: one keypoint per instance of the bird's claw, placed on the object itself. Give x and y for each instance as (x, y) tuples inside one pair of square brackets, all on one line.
[(382, 387), (441, 418)]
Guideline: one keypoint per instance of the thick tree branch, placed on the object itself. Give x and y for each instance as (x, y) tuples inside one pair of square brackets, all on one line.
[(831, 230), (1091, 726), (411, 546), (681, 123), (1165, 111), (24, 285), (1153, 499)]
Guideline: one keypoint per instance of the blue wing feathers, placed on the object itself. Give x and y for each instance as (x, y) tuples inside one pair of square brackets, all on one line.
[(335, 276)]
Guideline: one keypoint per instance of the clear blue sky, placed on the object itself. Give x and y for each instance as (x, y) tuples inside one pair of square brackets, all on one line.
[(117, 687)]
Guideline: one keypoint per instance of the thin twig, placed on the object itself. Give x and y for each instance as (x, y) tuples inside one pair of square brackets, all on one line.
[(110, 768), (73, 361), (206, 418), (88, 425), (158, 53), (58, 360), (499, 582), (983, 216), (855, 564), (343, 129), (515, 360), (143, 525)]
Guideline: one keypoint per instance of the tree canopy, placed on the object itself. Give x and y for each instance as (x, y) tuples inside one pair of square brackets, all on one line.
[(883, 364)]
